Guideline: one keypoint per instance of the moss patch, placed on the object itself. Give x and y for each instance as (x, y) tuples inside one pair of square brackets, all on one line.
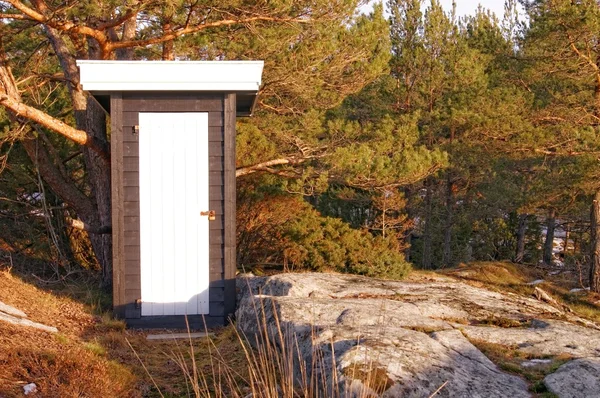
[(510, 359)]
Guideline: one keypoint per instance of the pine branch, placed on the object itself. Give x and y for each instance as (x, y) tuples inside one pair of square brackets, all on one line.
[(81, 137), (267, 166), (197, 28)]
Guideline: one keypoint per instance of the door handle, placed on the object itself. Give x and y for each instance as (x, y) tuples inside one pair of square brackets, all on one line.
[(212, 215)]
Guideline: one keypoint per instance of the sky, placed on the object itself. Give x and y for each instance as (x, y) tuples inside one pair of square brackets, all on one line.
[(468, 7)]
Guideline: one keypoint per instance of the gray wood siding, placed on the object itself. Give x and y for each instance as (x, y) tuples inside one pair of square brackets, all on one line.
[(125, 109), (117, 201)]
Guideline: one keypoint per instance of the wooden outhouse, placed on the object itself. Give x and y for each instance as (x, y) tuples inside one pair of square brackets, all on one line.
[(173, 184)]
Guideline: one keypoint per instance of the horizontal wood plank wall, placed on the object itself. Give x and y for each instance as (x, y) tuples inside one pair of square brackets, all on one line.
[(117, 201), (229, 204), (132, 105)]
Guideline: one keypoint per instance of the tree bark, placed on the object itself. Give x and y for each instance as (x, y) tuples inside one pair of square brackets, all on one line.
[(91, 118), (566, 242), (129, 28), (447, 254), (409, 232), (168, 53), (100, 187), (595, 243), (427, 219), (521, 229), (548, 243)]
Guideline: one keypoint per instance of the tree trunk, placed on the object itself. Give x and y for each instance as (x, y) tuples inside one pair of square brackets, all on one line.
[(548, 243), (100, 188), (90, 117), (521, 229), (427, 263), (447, 255), (566, 242), (595, 244), (409, 233), (168, 53)]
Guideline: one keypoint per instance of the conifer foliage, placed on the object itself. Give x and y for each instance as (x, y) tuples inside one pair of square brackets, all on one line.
[(424, 138)]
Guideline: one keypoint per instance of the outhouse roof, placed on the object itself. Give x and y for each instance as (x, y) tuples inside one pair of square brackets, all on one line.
[(241, 77)]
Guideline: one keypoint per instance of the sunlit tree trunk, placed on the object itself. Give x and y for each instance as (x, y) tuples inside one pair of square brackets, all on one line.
[(521, 229), (595, 243), (447, 254), (427, 238), (548, 243)]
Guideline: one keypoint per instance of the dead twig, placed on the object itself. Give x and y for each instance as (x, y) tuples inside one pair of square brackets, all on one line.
[(439, 389)]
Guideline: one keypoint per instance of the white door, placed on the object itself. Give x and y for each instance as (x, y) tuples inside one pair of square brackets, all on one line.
[(173, 191)]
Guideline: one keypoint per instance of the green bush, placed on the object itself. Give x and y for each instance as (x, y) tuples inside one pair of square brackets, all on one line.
[(320, 243)]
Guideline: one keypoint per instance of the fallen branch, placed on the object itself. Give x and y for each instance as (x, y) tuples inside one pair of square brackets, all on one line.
[(543, 296)]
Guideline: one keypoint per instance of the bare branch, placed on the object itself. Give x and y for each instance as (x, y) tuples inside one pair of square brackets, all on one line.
[(19, 17), (65, 26), (266, 166), (79, 136), (194, 29)]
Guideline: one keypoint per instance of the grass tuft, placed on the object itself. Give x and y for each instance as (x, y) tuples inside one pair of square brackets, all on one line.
[(510, 359)]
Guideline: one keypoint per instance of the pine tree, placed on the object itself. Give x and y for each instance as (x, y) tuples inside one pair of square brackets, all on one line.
[(316, 54), (561, 47)]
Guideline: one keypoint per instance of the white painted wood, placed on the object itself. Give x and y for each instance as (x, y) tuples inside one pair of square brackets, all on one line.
[(173, 236), (171, 75)]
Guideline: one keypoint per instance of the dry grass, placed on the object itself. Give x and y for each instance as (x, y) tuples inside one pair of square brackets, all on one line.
[(271, 367), (508, 277), (62, 365), (91, 355), (275, 368), (510, 360)]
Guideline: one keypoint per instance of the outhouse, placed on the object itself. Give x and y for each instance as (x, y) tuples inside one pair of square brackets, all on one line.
[(173, 184)]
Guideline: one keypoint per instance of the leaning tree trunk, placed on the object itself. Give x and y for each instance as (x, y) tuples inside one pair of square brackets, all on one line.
[(100, 185), (548, 243), (595, 244), (521, 229), (90, 117)]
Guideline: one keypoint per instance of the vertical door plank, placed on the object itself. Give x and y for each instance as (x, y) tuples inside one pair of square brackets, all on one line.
[(168, 202), (191, 228), (173, 191), (181, 214), (203, 225)]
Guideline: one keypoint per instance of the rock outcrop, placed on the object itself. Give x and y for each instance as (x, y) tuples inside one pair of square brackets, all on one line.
[(17, 317), (575, 379), (406, 338)]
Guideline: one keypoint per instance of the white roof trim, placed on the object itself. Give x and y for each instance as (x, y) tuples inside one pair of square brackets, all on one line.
[(232, 76)]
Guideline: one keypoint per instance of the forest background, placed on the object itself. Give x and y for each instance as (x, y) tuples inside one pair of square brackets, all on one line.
[(379, 142)]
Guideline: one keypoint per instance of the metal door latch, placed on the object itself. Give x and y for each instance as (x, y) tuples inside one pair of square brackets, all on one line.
[(212, 215)]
